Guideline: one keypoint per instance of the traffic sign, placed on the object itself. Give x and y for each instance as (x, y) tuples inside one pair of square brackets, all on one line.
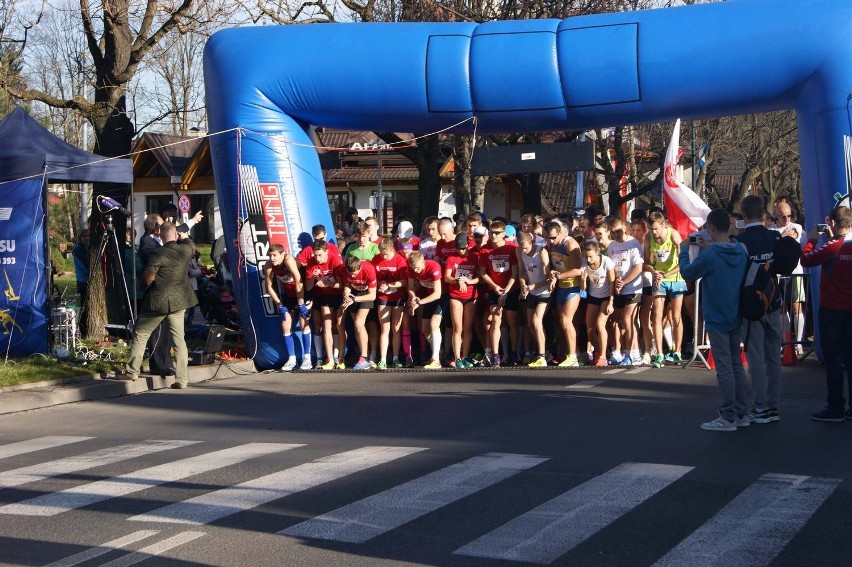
[(183, 203)]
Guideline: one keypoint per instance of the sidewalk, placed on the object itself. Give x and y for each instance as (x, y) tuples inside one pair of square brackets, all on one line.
[(85, 388)]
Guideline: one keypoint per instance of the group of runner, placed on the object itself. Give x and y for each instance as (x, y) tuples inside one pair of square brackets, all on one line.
[(507, 295)]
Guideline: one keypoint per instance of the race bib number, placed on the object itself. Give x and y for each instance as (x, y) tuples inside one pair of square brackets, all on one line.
[(558, 263), (500, 265), (464, 273), (662, 255)]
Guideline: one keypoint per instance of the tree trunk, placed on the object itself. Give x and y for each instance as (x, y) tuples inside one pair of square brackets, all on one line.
[(429, 182)]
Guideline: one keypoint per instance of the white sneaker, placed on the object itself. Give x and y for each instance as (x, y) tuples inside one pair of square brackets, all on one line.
[(289, 365), (719, 424), (306, 364), (743, 421)]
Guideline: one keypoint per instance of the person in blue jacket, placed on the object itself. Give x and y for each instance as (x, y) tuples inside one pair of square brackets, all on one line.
[(719, 263)]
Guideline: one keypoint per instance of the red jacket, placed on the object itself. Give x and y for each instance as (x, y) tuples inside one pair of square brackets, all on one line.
[(835, 282)]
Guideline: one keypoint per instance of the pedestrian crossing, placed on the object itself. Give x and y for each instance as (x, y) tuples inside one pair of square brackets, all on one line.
[(754, 526)]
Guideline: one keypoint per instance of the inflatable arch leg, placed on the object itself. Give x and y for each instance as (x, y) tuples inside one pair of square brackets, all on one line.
[(735, 57)]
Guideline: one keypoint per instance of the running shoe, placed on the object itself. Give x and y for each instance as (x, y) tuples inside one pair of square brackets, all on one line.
[(569, 362), (433, 365), (382, 365), (719, 424), (397, 363), (646, 359), (539, 362), (658, 361), (601, 362), (636, 359), (668, 358), (625, 361), (486, 361), (340, 365), (409, 363), (459, 364), (362, 364), (763, 416), (675, 359), (373, 365), (495, 361), (527, 359), (468, 363), (306, 364), (289, 365), (329, 365)]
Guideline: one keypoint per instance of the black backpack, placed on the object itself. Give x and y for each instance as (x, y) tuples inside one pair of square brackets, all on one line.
[(759, 289)]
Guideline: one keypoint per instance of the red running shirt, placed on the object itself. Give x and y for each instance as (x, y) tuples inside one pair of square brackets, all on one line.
[(431, 273), (390, 271), (324, 272), (498, 263), (467, 266), (361, 281)]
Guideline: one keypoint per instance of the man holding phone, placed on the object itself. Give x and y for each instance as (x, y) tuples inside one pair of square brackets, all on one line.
[(793, 291), (834, 254)]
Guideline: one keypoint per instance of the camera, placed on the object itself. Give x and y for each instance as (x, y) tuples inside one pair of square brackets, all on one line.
[(694, 239), (822, 228), (740, 223), (109, 205)]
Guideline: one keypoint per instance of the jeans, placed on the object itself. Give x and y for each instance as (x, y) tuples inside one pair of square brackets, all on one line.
[(733, 386), (835, 327), (145, 325), (763, 353)]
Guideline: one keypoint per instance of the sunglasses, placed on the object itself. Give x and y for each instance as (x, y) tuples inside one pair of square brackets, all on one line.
[(497, 232), (552, 237)]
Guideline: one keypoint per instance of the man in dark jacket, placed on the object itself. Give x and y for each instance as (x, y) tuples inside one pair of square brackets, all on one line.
[(763, 349), (160, 343), (167, 297)]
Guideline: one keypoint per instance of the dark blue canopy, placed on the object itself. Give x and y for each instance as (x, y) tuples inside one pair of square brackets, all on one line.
[(27, 148)]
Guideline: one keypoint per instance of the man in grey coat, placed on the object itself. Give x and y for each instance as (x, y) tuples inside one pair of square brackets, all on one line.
[(167, 297)]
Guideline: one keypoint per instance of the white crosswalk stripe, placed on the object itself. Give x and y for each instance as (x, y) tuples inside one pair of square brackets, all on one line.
[(87, 494), (49, 442), (368, 518), (756, 525), (550, 530), (154, 549), (215, 505), (86, 461), (103, 549)]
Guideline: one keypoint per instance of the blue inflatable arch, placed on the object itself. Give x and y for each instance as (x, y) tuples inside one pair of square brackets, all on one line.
[(273, 83)]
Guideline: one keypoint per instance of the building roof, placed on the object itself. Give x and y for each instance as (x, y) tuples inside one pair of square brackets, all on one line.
[(163, 155)]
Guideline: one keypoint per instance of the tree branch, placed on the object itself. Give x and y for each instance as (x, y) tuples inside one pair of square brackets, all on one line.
[(143, 45), (89, 33)]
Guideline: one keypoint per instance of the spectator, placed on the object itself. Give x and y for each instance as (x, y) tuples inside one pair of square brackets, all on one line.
[(349, 224), (835, 308), (720, 262), (763, 337), (160, 343), (80, 252), (793, 291), (167, 297)]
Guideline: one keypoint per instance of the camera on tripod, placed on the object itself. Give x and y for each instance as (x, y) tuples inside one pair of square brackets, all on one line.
[(110, 205)]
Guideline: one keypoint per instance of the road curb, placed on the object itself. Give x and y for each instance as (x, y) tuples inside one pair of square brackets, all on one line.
[(37, 395)]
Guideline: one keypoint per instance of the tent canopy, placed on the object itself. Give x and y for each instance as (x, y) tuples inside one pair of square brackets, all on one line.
[(29, 149)]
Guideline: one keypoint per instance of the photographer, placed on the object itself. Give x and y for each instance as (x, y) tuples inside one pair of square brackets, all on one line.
[(719, 262), (835, 306)]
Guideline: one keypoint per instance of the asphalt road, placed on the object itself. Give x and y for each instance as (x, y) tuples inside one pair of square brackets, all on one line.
[(561, 467)]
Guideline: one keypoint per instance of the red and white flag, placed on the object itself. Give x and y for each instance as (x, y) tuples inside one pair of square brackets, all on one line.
[(685, 210)]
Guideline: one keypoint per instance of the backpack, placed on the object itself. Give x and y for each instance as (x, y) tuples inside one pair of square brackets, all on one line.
[(786, 255), (759, 289)]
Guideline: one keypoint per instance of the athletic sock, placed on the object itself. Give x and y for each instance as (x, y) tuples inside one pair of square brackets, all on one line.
[(406, 343), (319, 348), (289, 346), (800, 326), (306, 345), (435, 339)]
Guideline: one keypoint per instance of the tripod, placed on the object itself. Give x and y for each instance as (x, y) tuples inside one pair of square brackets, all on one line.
[(109, 238)]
